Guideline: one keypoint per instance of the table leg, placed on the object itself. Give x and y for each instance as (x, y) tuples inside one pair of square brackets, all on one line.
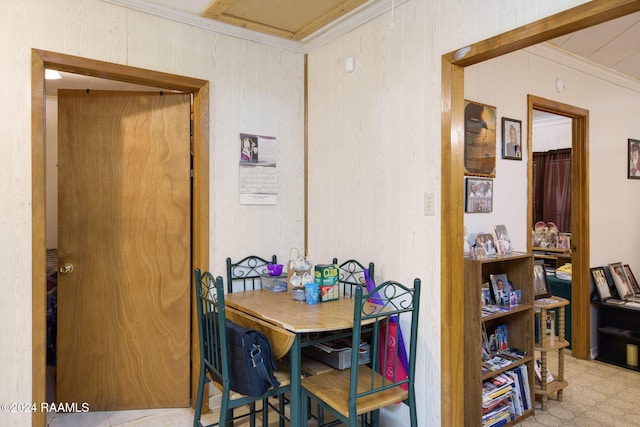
[(296, 393)]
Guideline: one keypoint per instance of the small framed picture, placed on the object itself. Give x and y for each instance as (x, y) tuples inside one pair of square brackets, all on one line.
[(621, 280), (479, 195), (511, 139), (632, 280), (601, 283), (501, 288), (633, 167), (540, 285)]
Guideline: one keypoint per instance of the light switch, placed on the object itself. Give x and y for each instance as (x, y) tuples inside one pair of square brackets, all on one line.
[(429, 204)]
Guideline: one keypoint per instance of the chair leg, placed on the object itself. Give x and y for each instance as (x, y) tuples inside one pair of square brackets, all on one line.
[(305, 408), (226, 415), (265, 413), (281, 406), (320, 413), (252, 417), (198, 409)]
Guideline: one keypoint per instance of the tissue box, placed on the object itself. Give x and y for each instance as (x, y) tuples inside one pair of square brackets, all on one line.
[(274, 283)]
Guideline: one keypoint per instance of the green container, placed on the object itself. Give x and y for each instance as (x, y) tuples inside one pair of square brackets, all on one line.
[(562, 288)]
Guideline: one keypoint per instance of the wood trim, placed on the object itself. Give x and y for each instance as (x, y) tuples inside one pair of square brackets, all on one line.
[(577, 18), (323, 20), (452, 263), (38, 246), (451, 246), (580, 241), (306, 151), (42, 59), (216, 8)]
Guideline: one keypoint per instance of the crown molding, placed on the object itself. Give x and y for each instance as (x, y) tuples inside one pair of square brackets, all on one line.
[(343, 25), (562, 57)]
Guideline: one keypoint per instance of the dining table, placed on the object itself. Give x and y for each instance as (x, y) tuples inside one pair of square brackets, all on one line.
[(291, 325)]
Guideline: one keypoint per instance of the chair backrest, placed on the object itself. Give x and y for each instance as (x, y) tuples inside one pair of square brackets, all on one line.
[(382, 311), (245, 274), (212, 325), (351, 275)]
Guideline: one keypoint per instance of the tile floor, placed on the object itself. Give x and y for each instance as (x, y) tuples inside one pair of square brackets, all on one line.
[(598, 395)]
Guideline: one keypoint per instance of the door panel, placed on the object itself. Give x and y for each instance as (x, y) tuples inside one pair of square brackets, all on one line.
[(124, 225)]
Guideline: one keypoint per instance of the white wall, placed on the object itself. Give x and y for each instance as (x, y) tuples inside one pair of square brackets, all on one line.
[(254, 88), (551, 133), (374, 150)]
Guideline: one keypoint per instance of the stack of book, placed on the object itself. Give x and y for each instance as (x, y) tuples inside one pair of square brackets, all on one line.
[(505, 396), (497, 401)]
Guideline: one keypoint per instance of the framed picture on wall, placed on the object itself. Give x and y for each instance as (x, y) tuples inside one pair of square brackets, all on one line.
[(633, 156), (479, 139), (511, 139), (479, 195)]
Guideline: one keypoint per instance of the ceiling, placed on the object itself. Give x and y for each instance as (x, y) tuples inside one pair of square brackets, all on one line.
[(614, 44)]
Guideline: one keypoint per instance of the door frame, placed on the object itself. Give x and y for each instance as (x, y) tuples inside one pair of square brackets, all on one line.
[(41, 59), (580, 231), (452, 174)]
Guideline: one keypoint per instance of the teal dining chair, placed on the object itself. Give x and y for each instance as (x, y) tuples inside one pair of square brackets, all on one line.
[(363, 390), (351, 273), (245, 274), (215, 359)]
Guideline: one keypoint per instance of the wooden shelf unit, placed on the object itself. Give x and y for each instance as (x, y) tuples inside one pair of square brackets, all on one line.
[(519, 320), (547, 344), (618, 326), (552, 256)]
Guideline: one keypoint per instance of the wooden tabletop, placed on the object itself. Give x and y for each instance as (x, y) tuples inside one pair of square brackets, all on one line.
[(281, 310)]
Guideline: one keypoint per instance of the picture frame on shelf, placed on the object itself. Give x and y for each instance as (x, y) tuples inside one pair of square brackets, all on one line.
[(541, 287), (479, 139), (564, 241), (503, 241), (633, 159), (486, 241), (621, 280), (603, 287), (511, 139), (501, 288), (632, 280)]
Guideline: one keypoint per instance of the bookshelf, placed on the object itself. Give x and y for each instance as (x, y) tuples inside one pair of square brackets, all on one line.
[(518, 268), (552, 257), (618, 328), (550, 343)]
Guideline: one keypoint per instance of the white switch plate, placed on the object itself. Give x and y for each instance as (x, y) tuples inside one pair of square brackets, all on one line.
[(429, 204)]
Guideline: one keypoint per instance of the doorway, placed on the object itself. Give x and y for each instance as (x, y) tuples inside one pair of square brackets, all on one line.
[(580, 237), (452, 188), (200, 191)]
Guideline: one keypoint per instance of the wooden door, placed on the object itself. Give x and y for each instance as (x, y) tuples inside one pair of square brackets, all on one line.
[(124, 225)]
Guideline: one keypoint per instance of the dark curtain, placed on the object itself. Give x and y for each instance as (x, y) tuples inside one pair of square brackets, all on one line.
[(552, 188)]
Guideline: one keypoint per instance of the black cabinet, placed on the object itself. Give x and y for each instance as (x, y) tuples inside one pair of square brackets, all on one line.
[(618, 325)]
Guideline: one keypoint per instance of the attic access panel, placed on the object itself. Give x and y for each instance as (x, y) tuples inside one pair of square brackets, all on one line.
[(291, 19)]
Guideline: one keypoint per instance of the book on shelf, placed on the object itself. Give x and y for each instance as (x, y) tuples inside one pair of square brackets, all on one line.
[(496, 363), (538, 369), (523, 375)]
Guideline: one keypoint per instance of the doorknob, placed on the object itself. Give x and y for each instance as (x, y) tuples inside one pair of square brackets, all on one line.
[(66, 268)]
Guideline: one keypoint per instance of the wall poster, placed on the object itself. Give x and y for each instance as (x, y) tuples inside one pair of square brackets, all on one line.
[(479, 139), (258, 170)]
